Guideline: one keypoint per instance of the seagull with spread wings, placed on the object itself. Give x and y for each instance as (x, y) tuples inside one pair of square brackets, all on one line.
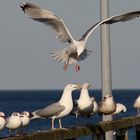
[(77, 49)]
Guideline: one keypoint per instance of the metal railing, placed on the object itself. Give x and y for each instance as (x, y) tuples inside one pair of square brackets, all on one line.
[(96, 131)]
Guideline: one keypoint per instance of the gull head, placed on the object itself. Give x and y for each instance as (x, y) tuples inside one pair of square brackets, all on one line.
[(86, 85), (137, 103), (92, 99), (2, 114), (25, 113), (80, 45), (16, 114), (138, 98), (72, 87), (108, 96)]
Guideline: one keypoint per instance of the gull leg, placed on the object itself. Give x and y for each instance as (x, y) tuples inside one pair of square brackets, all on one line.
[(77, 67), (60, 124), (52, 124), (138, 112), (10, 132), (66, 65)]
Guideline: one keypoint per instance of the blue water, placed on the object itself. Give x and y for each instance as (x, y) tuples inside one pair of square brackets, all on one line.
[(11, 101)]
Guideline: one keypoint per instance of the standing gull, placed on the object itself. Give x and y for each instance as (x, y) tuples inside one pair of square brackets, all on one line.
[(137, 104), (2, 120), (107, 105), (14, 121), (84, 105), (95, 106), (25, 117), (77, 49), (59, 109)]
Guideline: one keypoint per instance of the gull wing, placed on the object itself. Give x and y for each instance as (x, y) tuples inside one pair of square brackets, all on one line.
[(52, 110), (48, 18), (122, 17), (117, 18)]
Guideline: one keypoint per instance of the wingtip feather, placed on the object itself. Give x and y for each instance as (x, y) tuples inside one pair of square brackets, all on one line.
[(23, 6)]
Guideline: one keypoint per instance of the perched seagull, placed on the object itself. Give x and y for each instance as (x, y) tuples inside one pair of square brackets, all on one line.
[(25, 117), (119, 108), (14, 121), (84, 105), (137, 104), (95, 106), (59, 109), (77, 50), (107, 105), (2, 120)]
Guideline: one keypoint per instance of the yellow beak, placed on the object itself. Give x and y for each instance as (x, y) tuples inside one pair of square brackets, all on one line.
[(79, 86)]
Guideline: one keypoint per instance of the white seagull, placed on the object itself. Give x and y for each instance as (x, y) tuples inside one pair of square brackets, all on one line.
[(107, 105), (84, 105), (59, 109), (137, 104), (2, 120), (77, 49), (14, 121), (25, 117), (119, 108)]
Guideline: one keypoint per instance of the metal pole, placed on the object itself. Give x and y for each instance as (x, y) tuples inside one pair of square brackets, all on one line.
[(105, 59)]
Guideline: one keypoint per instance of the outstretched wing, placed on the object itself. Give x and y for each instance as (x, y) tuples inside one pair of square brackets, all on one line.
[(117, 18), (122, 17), (48, 18)]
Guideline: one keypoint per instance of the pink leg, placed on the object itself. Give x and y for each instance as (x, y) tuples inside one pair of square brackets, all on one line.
[(65, 67), (77, 67)]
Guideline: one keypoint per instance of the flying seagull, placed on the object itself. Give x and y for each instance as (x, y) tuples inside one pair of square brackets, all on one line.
[(77, 48), (59, 109)]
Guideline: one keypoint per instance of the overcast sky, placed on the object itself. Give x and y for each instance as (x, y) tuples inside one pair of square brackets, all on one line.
[(26, 46)]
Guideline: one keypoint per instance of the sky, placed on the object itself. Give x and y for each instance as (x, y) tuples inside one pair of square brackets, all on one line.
[(26, 46)]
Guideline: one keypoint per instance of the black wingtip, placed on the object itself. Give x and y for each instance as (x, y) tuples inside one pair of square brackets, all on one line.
[(23, 6)]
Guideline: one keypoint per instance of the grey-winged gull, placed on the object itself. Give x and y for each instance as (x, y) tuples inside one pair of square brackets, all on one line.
[(137, 104), (107, 106), (77, 50), (59, 109), (83, 106)]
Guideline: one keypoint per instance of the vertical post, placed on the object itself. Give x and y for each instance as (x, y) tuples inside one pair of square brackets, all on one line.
[(105, 59), (122, 134), (137, 127)]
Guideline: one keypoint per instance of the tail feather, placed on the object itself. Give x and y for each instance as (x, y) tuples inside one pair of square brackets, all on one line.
[(35, 115), (60, 56), (65, 55)]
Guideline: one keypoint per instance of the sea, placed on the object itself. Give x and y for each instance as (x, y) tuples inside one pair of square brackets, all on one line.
[(31, 100)]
